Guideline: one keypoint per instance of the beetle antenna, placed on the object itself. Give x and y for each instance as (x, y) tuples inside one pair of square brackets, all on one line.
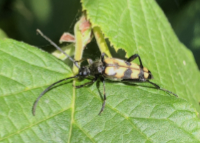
[(161, 88), (58, 48), (168, 91), (47, 89)]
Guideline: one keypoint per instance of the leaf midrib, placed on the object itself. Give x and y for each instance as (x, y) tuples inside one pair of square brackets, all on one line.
[(73, 111)]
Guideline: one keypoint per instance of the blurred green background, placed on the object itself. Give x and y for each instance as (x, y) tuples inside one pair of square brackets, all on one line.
[(19, 19), (184, 16)]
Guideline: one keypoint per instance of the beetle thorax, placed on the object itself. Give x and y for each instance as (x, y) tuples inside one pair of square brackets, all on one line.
[(97, 68)]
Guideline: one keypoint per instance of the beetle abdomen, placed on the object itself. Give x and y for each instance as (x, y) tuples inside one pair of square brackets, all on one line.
[(116, 69)]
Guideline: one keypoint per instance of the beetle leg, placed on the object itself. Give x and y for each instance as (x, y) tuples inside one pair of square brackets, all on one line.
[(102, 56), (133, 58), (141, 74), (158, 87), (104, 96), (88, 83)]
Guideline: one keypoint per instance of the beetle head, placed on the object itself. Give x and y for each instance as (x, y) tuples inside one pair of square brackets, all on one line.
[(84, 71)]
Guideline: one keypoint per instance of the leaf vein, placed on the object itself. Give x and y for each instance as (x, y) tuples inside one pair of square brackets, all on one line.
[(84, 132)]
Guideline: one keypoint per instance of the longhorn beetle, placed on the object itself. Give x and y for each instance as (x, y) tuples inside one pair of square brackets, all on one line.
[(106, 68)]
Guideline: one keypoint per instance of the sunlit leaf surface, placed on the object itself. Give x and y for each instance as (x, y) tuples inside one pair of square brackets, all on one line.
[(132, 113)]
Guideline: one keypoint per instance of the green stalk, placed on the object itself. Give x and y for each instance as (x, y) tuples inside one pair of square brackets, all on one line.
[(101, 41)]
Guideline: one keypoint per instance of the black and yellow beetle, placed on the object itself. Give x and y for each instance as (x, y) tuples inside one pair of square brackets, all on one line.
[(106, 68)]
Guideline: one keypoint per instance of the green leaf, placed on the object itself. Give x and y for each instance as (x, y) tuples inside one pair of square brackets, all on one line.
[(132, 113), (2, 34), (68, 115), (25, 72), (140, 26)]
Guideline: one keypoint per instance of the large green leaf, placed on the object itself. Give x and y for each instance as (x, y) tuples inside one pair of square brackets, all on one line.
[(132, 113), (66, 114)]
